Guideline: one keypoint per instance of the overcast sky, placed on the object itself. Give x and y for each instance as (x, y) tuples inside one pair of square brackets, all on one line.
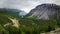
[(25, 5)]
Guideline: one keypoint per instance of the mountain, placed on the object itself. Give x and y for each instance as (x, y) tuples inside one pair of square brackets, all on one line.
[(12, 12), (45, 11)]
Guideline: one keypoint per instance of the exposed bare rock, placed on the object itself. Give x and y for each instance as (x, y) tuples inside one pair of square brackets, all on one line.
[(46, 11)]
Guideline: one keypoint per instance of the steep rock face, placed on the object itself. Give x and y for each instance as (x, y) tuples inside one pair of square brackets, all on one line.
[(46, 11)]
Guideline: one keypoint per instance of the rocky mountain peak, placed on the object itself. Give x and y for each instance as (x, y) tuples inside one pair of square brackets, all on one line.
[(46, 11)]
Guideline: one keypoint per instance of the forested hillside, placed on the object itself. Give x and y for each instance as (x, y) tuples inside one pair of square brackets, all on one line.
[(26, 25)]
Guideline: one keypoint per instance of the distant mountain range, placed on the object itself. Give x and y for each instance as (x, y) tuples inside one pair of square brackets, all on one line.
[(45, 11), (12, 12)]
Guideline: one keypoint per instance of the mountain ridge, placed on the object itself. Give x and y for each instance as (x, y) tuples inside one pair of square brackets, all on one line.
[(13, 12), (46, 11)]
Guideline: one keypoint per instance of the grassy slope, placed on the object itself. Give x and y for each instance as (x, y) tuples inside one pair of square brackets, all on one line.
[(4, 19)]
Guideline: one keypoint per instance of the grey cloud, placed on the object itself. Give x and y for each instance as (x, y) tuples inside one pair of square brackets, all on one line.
[(25, 5)]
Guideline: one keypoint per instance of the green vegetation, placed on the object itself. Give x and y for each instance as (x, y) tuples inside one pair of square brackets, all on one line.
[(4, 19), (26, 25)]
